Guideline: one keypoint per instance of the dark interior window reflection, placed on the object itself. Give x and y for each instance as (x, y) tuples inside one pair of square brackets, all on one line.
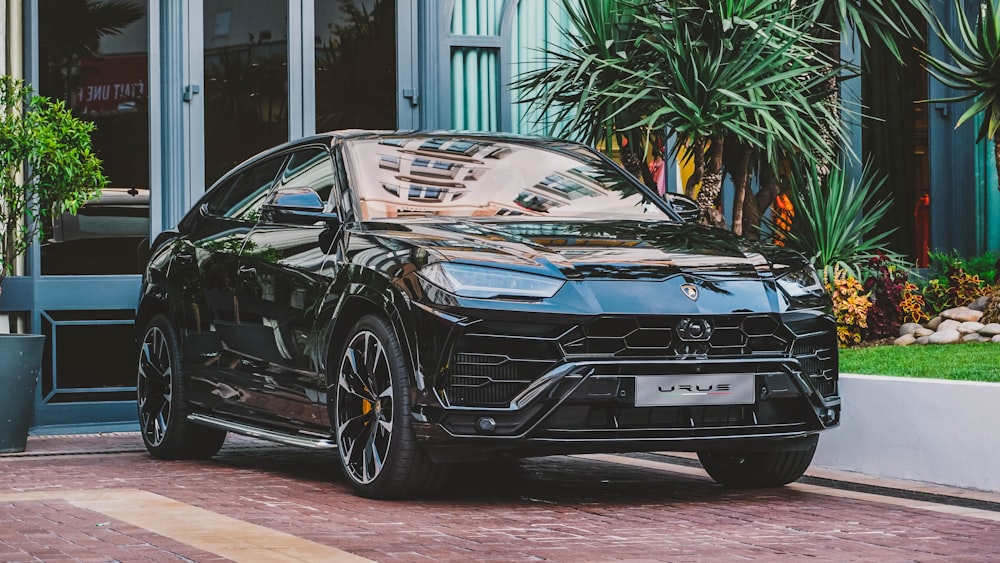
[(355, 64), (246, 81), (93, 54)]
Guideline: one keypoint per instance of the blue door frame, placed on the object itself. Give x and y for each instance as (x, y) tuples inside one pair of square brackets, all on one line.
[(68, 306)]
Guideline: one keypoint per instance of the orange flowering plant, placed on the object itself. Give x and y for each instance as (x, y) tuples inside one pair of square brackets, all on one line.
[(850, 305)]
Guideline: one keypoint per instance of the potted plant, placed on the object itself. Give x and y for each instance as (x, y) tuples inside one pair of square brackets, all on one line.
[(47, 168)]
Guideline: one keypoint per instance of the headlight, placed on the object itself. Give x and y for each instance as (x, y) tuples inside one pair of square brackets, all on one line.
[(487, 283), (803, 282)]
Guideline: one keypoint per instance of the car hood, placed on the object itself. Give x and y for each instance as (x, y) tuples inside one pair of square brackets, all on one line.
[(605, 249)]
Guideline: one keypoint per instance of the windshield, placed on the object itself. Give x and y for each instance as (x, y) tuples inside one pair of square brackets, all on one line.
[(476, 177)]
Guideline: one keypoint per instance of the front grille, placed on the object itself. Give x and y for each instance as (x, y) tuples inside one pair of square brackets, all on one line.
[(731, 335), (817, 354), (493, 361), (490, 380)]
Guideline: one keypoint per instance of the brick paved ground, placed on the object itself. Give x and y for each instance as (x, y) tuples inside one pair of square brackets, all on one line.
[(554, 509)]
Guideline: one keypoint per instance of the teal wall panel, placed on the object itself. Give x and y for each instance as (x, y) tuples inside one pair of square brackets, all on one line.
[(476, 17), (474, 95), (491, 42), (536, 27)]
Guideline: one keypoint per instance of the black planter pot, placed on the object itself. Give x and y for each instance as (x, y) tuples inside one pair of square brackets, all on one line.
[(20, 364)]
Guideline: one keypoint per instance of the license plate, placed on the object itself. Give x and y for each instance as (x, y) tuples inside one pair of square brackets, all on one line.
[(694, 390)]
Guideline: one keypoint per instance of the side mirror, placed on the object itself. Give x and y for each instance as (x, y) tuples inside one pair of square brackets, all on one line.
[(297, 206), (684, 206)]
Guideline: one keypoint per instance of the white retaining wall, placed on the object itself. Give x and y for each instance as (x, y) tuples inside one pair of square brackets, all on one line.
[(931, 430)]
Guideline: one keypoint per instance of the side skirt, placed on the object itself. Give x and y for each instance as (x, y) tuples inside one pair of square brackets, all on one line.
[(299, 440)]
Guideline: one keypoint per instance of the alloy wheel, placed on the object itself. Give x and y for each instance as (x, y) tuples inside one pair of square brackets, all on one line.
[(154, 386), (364, 407)]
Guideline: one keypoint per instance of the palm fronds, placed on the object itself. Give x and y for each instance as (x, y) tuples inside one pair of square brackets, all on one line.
[(975, 65), (836, 224)]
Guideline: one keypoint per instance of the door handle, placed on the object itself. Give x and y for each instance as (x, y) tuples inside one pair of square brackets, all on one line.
[(247, 273), (184, 259)]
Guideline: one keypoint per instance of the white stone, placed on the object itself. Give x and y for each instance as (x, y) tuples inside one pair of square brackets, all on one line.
[(923, 332), (948, 325), (905, 340), (950, 313), (975, 337), (962, 314), (996, 338), (923, 340), (970, 327), (908, 328), (979, 303), (944, 337), (933, 323), (991, 329)]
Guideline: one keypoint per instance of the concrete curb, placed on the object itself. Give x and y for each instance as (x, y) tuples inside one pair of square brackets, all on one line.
[(930, 430)]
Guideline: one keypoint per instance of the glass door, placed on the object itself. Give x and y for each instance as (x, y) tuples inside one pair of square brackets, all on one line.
[(94, 56)]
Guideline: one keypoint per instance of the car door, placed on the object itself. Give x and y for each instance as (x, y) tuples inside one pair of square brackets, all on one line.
[(284, 271), (205, 268)]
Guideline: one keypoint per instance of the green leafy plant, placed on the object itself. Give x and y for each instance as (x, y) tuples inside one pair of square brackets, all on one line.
[(836, 224), (943, 263), (47, 167), (850, 305), (974, 68), (886, 284), (913, 307)]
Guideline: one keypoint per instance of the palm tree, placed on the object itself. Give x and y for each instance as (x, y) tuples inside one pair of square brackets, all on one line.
[(738, 74), (715, 73), (579, 87), (975, 68)]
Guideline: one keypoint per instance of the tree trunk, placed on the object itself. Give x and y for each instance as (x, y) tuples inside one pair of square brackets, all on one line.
[(632, 162), (740, 173), (711, 185), (698, 152), (757, 205)]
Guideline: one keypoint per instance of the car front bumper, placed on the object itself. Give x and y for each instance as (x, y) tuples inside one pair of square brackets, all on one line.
[(569, 385)]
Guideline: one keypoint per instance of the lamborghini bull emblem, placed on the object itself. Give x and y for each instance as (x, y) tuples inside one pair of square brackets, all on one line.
[(691, 291)]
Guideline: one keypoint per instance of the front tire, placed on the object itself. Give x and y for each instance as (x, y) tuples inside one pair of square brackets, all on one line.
[(761, 469), (371, 413), (163, 410)]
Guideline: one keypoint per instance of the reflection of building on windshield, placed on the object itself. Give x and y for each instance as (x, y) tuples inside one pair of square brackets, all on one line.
[(431, 176)]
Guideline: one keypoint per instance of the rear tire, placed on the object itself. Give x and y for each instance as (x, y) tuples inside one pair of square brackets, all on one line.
[(163, 409), (370, 388), (755, 470)]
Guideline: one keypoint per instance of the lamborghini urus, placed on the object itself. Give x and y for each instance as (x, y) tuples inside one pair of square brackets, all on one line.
[(420, 299)]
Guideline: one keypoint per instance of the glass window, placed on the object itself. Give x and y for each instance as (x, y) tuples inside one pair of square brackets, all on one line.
[(94, 56), (242, 196), (480, 177), (356, 64), (310, 168), (246, 80)]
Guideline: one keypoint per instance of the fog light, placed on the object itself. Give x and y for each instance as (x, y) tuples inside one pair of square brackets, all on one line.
[(486, 425)]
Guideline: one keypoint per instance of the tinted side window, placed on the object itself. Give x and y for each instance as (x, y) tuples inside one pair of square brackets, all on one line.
[(241, 196), (310, 168), (346, 198)]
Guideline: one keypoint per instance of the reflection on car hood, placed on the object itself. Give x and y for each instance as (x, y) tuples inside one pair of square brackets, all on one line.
[(604, 249)]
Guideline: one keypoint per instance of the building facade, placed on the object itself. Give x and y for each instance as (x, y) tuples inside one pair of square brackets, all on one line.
[(182, 90)]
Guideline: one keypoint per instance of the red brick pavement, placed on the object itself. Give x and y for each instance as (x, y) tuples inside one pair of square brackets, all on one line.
[(552, 509)]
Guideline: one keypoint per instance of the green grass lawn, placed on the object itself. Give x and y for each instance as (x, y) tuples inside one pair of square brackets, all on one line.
[(973, 361)]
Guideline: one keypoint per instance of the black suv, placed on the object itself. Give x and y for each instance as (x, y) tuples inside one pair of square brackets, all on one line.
[(420, 299)]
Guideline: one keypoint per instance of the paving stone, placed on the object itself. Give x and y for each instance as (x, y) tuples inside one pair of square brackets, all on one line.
[(558, 509)]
